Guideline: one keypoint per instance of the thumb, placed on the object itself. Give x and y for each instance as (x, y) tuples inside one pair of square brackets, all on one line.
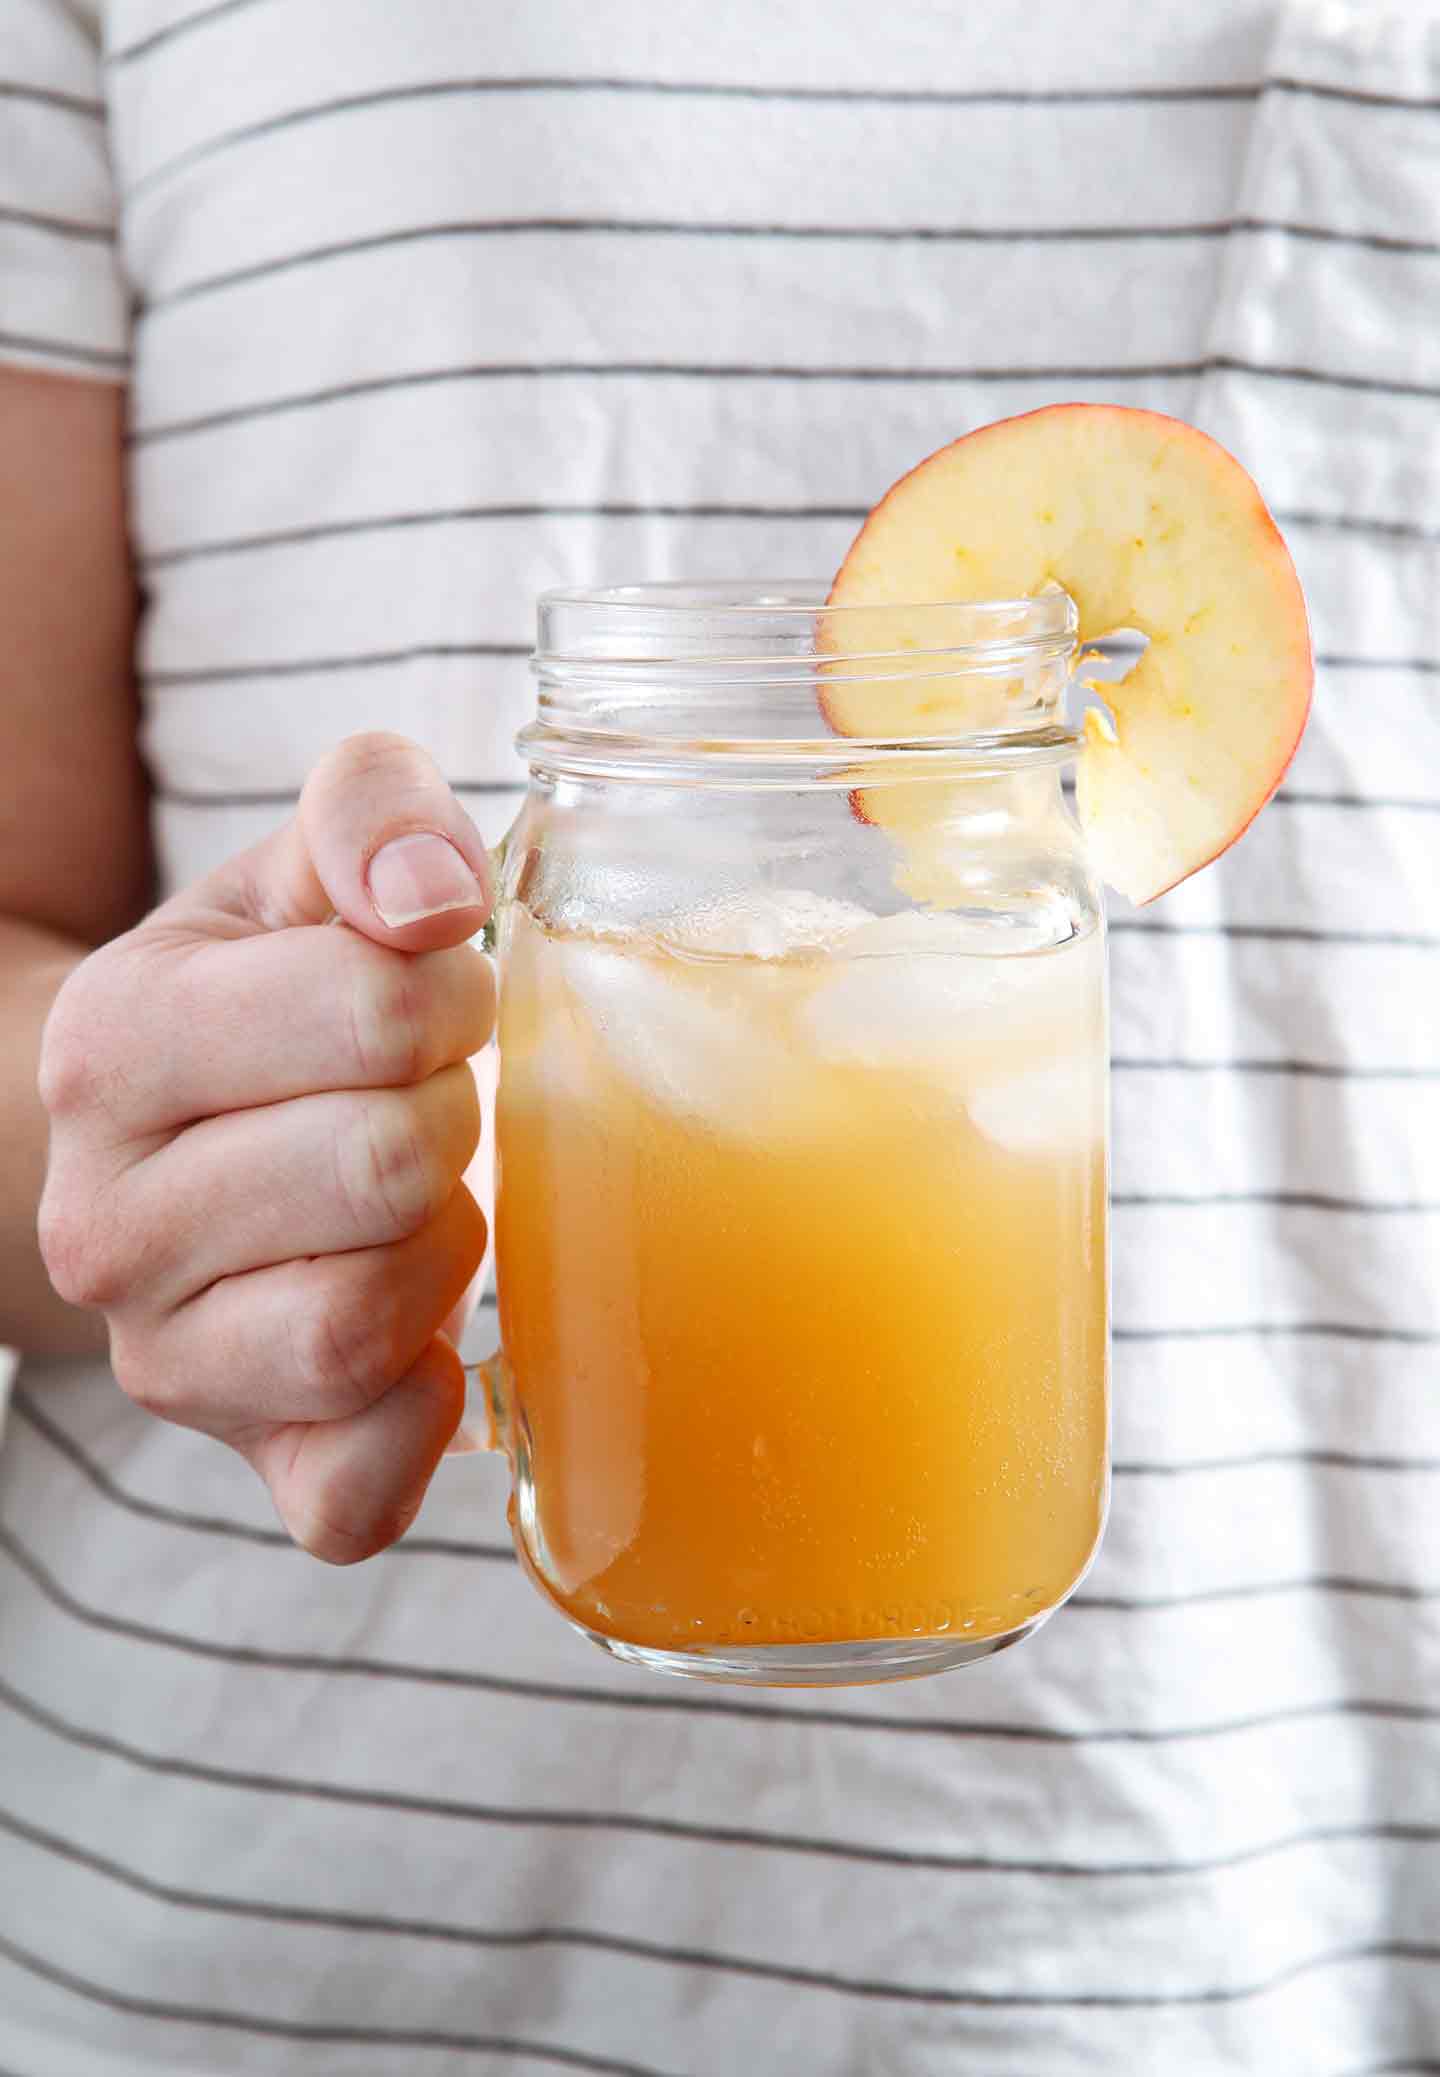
[(378, 840)]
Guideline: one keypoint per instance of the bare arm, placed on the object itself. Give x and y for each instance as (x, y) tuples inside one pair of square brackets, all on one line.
[(273, 1227), (74, 858)]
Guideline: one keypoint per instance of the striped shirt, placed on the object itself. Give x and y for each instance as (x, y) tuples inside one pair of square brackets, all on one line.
[(421, 309)]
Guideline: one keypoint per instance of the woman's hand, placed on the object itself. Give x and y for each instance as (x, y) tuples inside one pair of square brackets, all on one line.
[(259, 1126)]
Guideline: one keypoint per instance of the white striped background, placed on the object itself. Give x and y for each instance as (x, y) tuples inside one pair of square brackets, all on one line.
[(629, 292)]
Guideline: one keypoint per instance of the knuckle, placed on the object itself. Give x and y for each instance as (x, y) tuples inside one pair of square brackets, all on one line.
[(389, 1165), (372, 763), (85, 1048), (337, 1356), (388, 1021), (78, 1250), (64, 1248), (69, 1066), (382, 750)]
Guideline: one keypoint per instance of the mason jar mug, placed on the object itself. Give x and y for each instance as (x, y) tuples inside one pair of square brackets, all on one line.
[(801, 1135)]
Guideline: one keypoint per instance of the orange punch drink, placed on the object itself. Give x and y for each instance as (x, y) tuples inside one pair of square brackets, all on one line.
[(802, 1274)]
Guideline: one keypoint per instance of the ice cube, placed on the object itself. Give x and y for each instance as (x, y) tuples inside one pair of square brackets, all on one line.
[(914, 992), (769, 924), (937, 931), (909, 1010), (685, 1038), (1055, 1109), (904, 991), (542, 1046)]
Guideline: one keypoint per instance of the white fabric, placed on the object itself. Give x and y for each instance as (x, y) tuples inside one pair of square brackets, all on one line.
[(260, 1817), (62, 298)]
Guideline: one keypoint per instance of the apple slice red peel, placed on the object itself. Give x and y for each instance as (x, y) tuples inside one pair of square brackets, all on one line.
[(1147, 524)]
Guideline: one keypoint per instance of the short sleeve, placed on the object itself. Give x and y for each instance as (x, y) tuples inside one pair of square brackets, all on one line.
[(63, 302)]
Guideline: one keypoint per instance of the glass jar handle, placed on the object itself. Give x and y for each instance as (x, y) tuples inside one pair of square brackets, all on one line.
[(497, 854), (487, 1421)]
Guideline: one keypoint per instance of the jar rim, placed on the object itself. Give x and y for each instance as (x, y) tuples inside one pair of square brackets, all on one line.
[(728, 676), (571, 618)]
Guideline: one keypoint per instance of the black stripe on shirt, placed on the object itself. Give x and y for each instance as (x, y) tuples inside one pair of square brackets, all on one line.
[(1360, 97), (1376, 241), (172, 31), (304, 666), (101, 1482), (1428, 666), (180, 797), (805, 233), (778, 371), (1288, 797), (1354, 523), (1328, 234), (1337, 1460), (304, 2030), (502, 371), (1407, 2066), (1284, 1200), (45, 1841), (1281, 1330), (65, 350), (642, 509), (1374, 385), (1275, 933), (578, 227), (49, 97), (923, 97), (724, 90), (377, 659), (388, 522), (630, 1948), (703, 509), (1002, 97), (508, 1816), (450, 1810), (351, 1667), (813, 1979), (899, 97), (1306, 797), (1323, 1070), (60, 226), (1250, 1590)]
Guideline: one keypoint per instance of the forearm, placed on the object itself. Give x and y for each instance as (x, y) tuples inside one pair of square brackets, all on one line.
[(33, 965)]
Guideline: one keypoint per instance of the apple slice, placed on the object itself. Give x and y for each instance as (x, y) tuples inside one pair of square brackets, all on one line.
[(1147, 524)]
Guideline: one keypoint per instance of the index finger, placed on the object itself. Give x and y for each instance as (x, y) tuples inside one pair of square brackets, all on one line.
[(169, 1029)]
